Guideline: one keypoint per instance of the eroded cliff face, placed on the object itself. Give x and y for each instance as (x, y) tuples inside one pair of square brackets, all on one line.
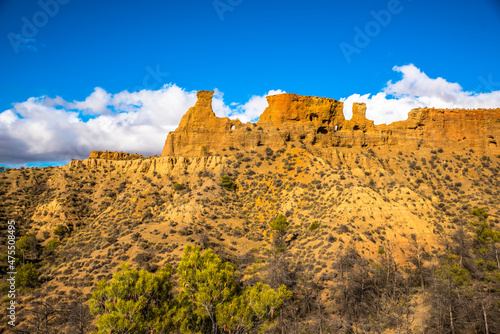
[(110, 155), (319, 122), (200, 132)]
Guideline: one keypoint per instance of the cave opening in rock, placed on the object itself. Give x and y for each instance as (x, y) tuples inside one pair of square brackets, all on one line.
[(232, 127), (323, 130)]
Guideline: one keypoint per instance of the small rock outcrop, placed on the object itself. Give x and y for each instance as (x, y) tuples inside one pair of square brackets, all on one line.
[(320, 122), (109, 155)]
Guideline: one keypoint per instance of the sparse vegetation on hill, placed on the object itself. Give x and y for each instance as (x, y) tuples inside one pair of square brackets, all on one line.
[(227, 183), (366, 240)]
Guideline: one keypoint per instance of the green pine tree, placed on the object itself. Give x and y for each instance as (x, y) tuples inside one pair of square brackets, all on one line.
[(135, 302), (207, 284), (211, 301), (256, 307)]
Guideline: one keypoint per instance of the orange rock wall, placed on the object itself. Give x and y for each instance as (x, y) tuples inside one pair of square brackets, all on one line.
[(320, 122)]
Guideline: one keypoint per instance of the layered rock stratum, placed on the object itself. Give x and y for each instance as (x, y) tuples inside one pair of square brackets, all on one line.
[(110, 155)]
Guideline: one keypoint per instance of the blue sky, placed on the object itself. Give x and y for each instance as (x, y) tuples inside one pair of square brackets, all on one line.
[(64, 49)]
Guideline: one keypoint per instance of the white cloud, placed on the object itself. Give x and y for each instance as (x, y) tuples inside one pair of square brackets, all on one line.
[(251, 111), (96, 103), (247, 112), (219, 106), (416, 90), (53, 129)]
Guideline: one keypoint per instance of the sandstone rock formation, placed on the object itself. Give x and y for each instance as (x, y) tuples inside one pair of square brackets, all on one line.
[(200, 132), (114, 155), (320, 122)]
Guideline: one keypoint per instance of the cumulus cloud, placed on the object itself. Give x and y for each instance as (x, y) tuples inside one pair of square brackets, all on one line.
[(415, 90), (247, 112), (52, 129), (220, 108), (96, 103)]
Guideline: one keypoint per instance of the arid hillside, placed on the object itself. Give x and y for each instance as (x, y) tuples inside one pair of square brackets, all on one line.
[(383, 191)]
